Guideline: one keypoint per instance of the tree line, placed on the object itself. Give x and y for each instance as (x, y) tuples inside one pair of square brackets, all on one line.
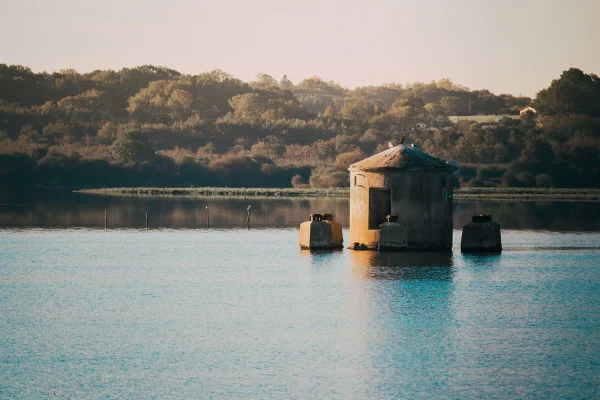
[(153, 126)]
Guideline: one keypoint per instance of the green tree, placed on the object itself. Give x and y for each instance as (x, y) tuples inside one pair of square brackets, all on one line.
[(298, 181), (316, 94), (285, 83), (89, 106), (29, 133), (435, 110), (452, 105), (264, 81), (357, 111), (573, 93), (325, 176), (257, 107), (163, 101), (131, 147)]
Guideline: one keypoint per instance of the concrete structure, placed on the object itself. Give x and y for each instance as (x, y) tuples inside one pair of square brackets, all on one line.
[(406, 182), (321, 233), (481, 236), (337, 237), (392, 235)]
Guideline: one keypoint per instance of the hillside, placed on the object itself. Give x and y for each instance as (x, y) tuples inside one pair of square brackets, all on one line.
[(153, 126)]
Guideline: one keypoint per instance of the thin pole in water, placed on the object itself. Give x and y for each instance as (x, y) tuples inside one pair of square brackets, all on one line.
[(146, 220), (105, 219), (207, 218), (248, 219)]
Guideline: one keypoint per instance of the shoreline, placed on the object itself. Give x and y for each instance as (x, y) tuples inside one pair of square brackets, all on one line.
[(492, 194)]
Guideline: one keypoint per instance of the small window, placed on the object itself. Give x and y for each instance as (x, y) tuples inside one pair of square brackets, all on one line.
[(380, 206), (359, 180)]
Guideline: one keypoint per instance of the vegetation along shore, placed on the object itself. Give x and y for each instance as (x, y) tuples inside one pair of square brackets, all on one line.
[(154, 126), (508, 194)]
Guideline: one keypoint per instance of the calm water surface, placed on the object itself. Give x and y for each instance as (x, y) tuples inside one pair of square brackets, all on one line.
[(236, 313), (62, 209)]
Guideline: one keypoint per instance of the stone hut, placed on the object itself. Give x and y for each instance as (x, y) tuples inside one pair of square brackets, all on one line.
[(406, 182)]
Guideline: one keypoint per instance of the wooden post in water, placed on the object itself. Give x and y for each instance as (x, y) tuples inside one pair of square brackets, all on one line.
[(105, 220), (248, 219), (207, 218), (146, 220)]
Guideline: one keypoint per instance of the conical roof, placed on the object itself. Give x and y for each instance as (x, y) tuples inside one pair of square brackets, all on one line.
[(401, 157)]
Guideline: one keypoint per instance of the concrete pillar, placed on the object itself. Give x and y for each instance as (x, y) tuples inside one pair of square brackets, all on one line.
[(481, 236), (392, 235), (319, 234), (337, 236)]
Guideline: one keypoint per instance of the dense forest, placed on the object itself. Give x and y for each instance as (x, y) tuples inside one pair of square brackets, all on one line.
[(153, 126)]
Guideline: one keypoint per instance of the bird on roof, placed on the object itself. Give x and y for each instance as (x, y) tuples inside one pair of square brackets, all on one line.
[(390, 145)]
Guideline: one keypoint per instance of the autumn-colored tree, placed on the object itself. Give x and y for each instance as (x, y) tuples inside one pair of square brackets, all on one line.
[(344, 160), (125, 126), (264, 81), (132, 147), (324, 176)]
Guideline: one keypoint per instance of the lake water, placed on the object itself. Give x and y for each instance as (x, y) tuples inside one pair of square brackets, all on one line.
[(61, 209), (179, 311)]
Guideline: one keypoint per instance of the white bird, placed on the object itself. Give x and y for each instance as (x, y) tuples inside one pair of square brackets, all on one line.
[(390, 145), (248, 208)]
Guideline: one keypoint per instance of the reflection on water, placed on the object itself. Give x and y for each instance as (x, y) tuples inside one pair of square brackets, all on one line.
[(65, 209), (245, 314), (402, 266), (544, 215), (483, 261)]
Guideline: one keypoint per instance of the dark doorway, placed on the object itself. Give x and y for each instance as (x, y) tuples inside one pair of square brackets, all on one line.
[(380, 206)]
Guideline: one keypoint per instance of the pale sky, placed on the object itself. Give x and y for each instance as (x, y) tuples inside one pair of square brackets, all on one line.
[(506, 46)]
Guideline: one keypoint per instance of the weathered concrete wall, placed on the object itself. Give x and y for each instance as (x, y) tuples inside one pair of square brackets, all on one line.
[(392, 237), (337, 235), (320, 235), (481, 236), (419, 198), (360, 182)]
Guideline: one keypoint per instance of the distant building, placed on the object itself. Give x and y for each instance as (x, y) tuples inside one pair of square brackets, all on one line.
[(406, 182), (525, 110)]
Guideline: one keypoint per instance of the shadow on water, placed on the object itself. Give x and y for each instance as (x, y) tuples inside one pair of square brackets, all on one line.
[(403, 266)]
